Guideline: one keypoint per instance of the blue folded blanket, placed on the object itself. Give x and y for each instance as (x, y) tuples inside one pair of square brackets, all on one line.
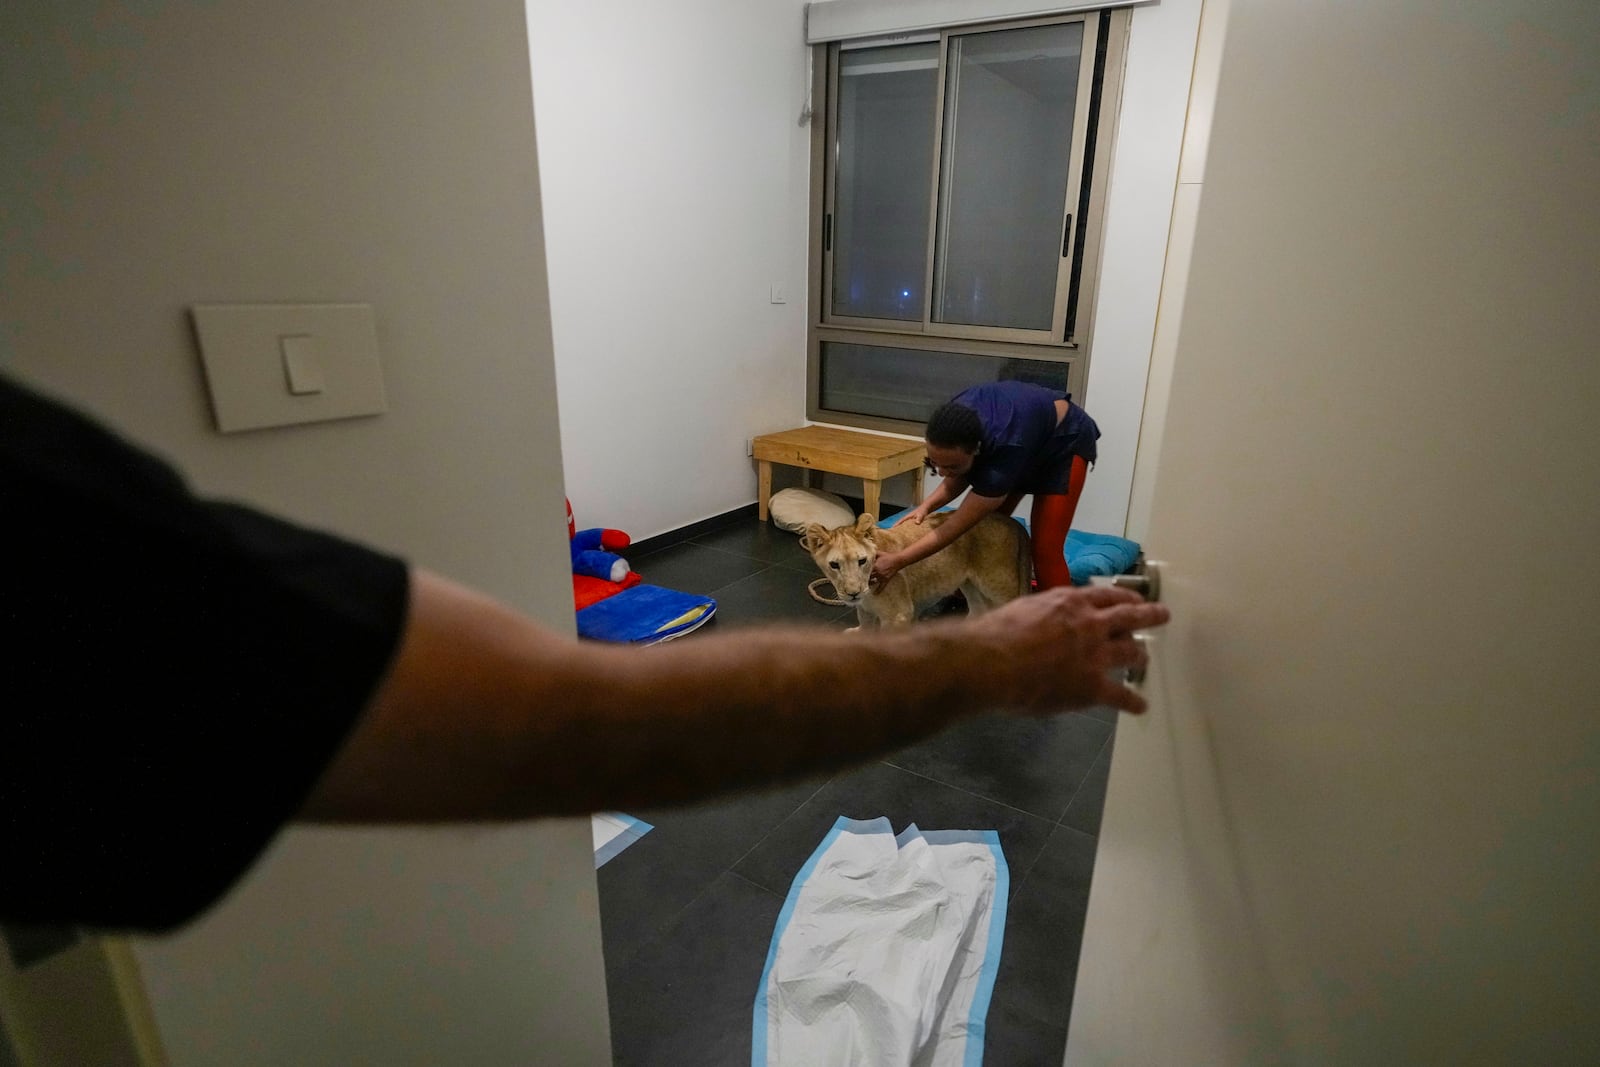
[(1087, 554), (645, 615)]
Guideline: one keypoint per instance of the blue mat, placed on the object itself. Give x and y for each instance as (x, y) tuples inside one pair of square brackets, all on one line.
[(1087, 554), (645, 615)]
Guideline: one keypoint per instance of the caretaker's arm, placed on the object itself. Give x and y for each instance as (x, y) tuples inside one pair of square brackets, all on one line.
[(964, 518), (947, 490), (485, 714)]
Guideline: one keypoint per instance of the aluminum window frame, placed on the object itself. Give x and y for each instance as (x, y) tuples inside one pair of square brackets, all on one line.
[(1067, 341)]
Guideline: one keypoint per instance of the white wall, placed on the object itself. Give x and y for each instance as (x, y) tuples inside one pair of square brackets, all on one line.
[(1144, 172), (675, 181), (1174, 281), (157, 156)]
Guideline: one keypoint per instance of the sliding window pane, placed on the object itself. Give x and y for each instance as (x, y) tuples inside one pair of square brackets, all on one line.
[(887, 100), (908, 383), (1010, 100)]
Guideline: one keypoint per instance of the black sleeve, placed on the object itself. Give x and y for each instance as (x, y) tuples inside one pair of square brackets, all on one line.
[(180, 672)]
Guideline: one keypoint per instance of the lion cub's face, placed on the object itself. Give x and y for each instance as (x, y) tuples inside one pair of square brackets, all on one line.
[(844, 554)]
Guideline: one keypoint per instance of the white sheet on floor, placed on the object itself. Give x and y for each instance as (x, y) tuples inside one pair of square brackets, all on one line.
[(613, 832), (886, 950)]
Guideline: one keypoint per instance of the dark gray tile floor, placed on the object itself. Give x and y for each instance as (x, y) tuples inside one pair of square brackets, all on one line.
[(688, 911)]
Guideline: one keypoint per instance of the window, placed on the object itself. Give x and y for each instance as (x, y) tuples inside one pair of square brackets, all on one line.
[(957, 181)]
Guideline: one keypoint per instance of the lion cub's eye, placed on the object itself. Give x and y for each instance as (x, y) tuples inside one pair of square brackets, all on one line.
[(862, 562), (834, 564)]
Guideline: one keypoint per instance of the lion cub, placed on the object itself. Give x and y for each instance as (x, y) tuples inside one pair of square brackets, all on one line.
[(991, 564)]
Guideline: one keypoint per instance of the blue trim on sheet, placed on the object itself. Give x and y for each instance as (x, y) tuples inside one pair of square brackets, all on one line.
[(977, 1018), (636, 828), (758, 1044)]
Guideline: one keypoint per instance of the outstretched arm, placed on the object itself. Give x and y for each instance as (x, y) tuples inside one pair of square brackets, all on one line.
[(947, 490), (487, 715)]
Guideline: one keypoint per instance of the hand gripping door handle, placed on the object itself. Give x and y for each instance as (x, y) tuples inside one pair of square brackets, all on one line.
[(1148, 585)]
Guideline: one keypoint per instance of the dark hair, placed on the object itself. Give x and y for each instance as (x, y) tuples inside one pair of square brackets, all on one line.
[(954, 425)]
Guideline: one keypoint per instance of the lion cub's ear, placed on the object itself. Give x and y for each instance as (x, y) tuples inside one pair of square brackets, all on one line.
[(813, 537), (866, 525)]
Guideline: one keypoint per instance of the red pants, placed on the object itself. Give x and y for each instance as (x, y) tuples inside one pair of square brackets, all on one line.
[(1052, 517)]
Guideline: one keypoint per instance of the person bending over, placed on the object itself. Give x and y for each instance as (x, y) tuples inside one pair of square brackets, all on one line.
[(1003, 440)]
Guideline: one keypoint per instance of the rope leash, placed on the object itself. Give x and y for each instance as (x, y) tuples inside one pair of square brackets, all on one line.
[(819, 598)]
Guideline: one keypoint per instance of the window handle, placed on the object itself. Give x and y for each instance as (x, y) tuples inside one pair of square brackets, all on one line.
[(1066, 241)]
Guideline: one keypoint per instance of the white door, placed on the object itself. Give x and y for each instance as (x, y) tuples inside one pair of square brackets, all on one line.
[(1361, 823)]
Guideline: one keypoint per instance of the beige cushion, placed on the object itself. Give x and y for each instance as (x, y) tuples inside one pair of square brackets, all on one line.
[(791, 509)]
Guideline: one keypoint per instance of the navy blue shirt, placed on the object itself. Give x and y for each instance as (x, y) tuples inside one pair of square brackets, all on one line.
[(178, 674), (1023, 450)]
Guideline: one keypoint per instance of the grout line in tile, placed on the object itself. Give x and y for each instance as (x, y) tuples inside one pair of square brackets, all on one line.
[(1074, 830), (701, 544), (1098, 756), (708, 548), (758, 885), (764, 568), (660, 930), (774, 829), (988, 800), (726, 552), (1021, 883)]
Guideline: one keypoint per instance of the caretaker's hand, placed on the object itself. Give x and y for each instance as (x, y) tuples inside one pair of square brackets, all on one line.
[(885, 567), (916, 515), (1073, 638)]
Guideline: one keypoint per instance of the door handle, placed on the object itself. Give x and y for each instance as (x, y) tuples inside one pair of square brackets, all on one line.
[(1148, 585), (1136, 674)]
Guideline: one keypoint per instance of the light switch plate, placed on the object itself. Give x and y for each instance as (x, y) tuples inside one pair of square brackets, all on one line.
[(283, 364)]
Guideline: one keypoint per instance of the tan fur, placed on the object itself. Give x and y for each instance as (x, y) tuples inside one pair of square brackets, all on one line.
[(990, 563)]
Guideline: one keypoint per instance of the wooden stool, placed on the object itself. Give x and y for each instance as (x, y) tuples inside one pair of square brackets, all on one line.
[(870, 457)]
